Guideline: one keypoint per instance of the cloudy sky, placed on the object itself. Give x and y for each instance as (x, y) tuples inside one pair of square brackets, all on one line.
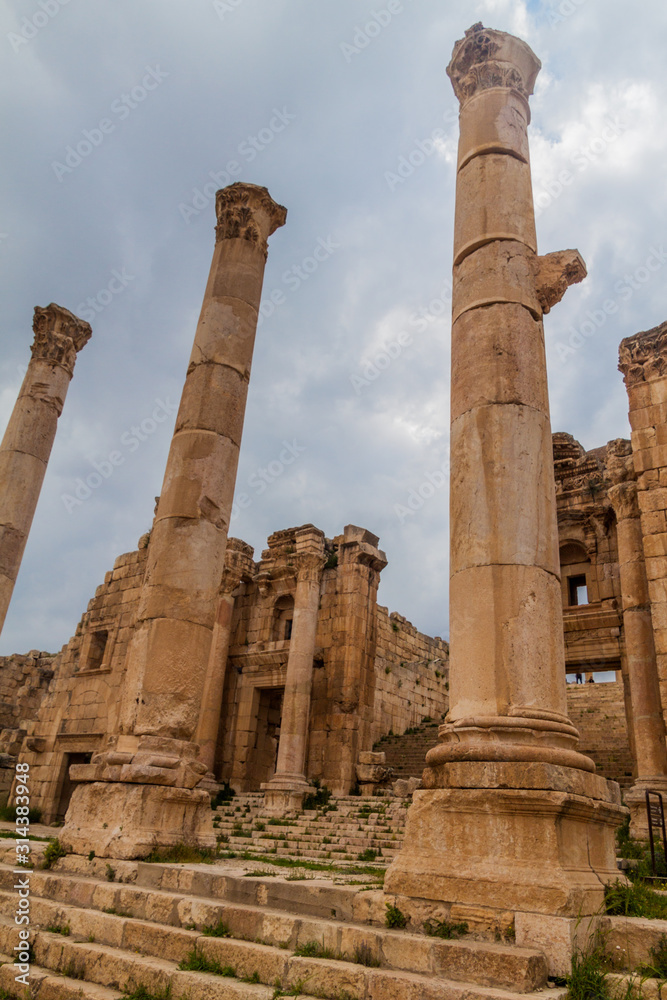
[(322, 101)]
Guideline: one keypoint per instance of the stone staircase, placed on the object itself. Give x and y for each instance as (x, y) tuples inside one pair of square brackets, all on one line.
[(598, 712), (346, 829), (103, 930), (406, 753)]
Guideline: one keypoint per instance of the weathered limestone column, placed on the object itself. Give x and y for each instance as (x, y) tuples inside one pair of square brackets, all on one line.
[(643, 362), (151, 767), (513, 816), (26, 446), (351, 666), (647, 722), (238, 566), (287, 787)]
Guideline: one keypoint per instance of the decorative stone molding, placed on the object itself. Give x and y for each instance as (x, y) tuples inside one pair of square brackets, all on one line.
[(59, 336), (239, 565), (644, 356), (247, 212), (487, 59), (623, 497), (619, 466)]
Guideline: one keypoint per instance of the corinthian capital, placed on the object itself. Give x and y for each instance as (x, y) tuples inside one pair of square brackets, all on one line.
[(487, 59), (623, 499), (59, 335), (310, 554), (247, 212)]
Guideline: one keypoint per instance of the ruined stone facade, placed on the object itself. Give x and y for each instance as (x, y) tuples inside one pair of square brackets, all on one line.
[(373, 672)]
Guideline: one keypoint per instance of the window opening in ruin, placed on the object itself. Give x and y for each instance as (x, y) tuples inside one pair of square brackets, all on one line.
[(283, 613), (578, 590), (98, 644)]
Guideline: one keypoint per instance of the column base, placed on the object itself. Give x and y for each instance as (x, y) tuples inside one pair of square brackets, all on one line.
[(635, 800), (285, 793), (122, 820), (525, 837)]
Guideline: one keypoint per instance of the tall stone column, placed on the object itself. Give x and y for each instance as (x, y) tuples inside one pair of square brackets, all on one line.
[(238, 566), (26, 446), (646, 720), (287, 787), (512, 816), (151, 766), (351, 665)]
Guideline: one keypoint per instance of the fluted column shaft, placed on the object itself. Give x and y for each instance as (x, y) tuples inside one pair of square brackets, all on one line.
[(26, 445), (177, 607)]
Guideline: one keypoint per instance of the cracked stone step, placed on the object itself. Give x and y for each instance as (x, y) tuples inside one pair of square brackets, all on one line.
[(159, 923)]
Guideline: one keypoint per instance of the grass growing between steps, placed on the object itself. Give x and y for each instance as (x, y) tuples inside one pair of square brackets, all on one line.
[(635, 899), (219, 930), (363, 955), (657, 967), (180, 854), (318, 866), (196, 962), (142, 993)]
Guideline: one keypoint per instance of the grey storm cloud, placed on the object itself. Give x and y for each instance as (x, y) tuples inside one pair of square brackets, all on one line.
[(120, 119)]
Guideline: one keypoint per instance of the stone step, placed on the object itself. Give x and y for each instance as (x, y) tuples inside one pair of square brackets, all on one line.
[(120, 969), (43, 984), (165, 925)]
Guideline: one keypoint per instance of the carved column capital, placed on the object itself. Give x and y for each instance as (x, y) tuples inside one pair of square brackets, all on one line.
[(59, 335), (487, 59), (643, 357), (619, 466), (247, 212), (239, 565), (310, 554), (623, 499)]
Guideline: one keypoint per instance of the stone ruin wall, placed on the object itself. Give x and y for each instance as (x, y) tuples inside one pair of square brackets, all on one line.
[(411, 676), (24, 680), (80, 705)]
